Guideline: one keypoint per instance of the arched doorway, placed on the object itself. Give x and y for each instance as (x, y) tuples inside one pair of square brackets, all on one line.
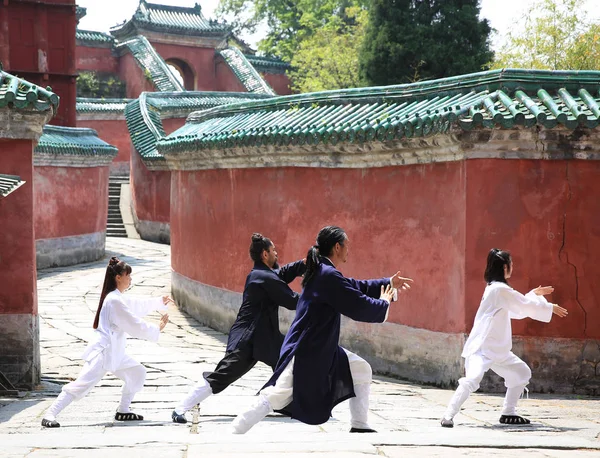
[(183, 72)]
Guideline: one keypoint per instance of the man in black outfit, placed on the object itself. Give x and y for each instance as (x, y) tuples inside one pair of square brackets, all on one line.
[(255, 335)]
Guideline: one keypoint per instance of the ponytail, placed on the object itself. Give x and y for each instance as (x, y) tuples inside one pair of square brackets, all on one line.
[(312, 262), (115, 267), (326, 240)]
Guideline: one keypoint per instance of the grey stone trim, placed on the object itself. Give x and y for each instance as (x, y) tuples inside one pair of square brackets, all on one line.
[(69, 160), (154, 165), (67, 251), (402, 351), (23, 123), (516, 143), (20, 355), (100, 116), (153, 231), (441, 148), (216, 42)]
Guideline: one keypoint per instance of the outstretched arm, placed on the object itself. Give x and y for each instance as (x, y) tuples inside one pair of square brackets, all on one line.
[(133, 325), (142, 306), (291, 271), (528, 305)]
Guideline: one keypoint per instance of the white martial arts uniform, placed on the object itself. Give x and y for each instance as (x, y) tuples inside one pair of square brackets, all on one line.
[(490, 343), (120, 315)]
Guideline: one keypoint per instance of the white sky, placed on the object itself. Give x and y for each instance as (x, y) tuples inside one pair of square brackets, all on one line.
[(103, 14)]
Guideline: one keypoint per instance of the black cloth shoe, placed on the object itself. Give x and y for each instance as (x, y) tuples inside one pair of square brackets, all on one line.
[(50, 423), (130, 416), (362, 430), (177, 418), (513, 420), (447, 423)]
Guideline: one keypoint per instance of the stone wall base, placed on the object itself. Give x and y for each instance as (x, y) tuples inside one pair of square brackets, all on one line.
[(67, 251), (153, 231), (558, 365), (20, 344)]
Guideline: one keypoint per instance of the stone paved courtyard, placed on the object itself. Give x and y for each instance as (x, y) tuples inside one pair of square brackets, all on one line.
[(406, 415)]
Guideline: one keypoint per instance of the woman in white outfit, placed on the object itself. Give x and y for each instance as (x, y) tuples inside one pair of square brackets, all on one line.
[(490, 342), (117, 316)]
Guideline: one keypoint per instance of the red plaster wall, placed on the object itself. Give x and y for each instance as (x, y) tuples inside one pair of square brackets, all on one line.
[(96, 59), (172, 124), (151, 191), (17, 243), (132, 74), (225, 78), (113, 132), (200, 60), (547, 214), (279, 82), (70, 201), (391, 226)]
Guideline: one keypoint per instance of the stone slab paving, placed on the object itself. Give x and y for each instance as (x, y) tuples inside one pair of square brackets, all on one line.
[(406, 415)]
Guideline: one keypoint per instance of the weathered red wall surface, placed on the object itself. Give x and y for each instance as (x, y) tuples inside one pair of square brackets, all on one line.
[(38, 45), (70, 201), (409, 218), (172, 124), (547, 214), (279, 82), (17, 243), (225, 78), (200, 60), (151, 191), (132, 74), (96, 59), (113, 132)]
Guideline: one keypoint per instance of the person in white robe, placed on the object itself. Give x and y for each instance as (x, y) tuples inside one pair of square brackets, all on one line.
[(118, 315), (490, 342)]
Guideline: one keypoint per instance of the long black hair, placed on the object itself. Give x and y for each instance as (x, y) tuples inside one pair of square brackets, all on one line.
[(326, 240), (115, 267), (494, 270), (259, 244)]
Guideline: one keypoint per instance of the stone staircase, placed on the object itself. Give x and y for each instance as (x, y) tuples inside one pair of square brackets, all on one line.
[(115, 226)]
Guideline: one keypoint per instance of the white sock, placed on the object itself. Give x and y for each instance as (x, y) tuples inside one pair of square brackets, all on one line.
[(126, 399), (511, 399), (259, 410), (359, 406), (62, 401), (458, 399), (196, 395)]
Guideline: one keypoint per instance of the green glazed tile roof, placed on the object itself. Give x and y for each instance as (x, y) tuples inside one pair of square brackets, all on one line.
[(145, 127), (79, 141), (80, 12), (18, 93), (92, 37), (143, 116), (171, 19), (9, 183), (494, 99), (268, 64), (92, 105), (245, 72), (152, 64)]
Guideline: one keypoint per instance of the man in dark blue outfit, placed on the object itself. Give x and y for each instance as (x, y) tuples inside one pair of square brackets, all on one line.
[(255, 335), (314, 373)]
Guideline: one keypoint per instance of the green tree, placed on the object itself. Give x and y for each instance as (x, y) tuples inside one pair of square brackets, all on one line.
[(328, 59), (554, 35), (411, 40), (289, 22)]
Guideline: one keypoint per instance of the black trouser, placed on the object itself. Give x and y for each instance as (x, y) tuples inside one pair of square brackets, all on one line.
[(231, 368)]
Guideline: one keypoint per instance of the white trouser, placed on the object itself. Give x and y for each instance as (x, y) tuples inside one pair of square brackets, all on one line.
[(130, 371), (512, 369), (196, 395), (280, 395)]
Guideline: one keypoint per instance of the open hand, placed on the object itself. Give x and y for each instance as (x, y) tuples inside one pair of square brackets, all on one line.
[(558, 310), (167, 300), (387, 293), (163, 321), (401, 283), (543, 290)]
